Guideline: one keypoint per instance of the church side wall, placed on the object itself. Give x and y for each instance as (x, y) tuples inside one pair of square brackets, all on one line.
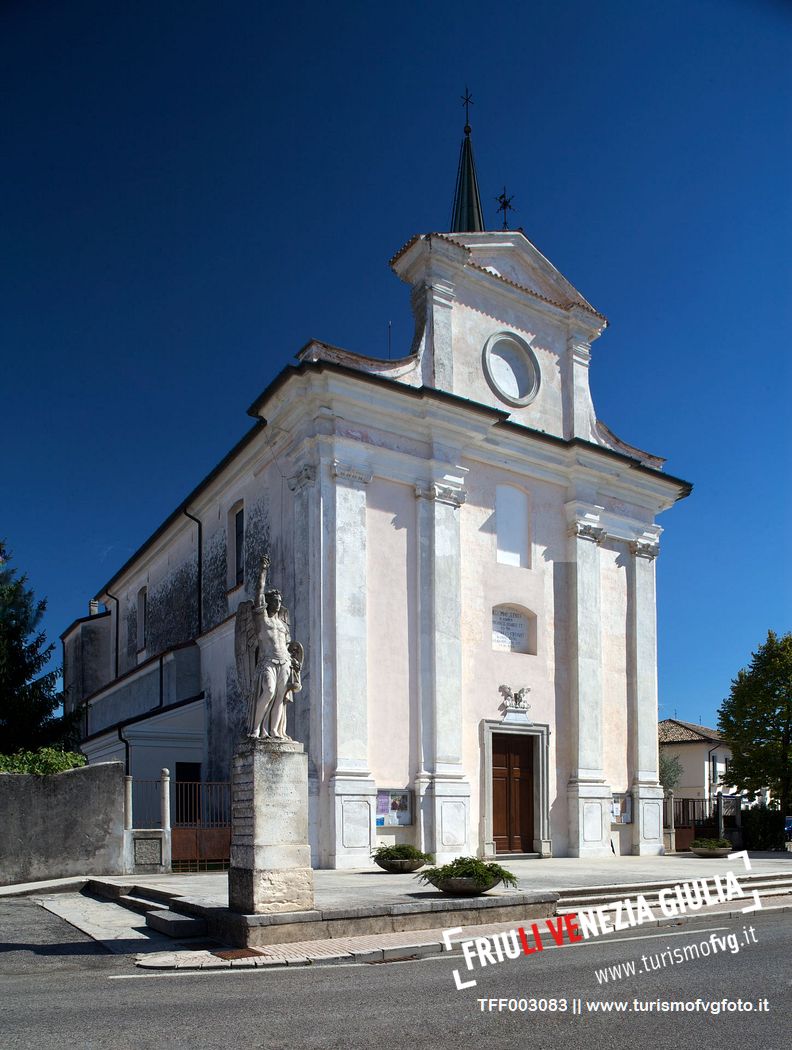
[(171, 580), (169, 574), (268, 528)]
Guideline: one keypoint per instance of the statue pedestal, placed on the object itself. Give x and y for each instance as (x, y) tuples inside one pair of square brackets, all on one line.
[(270, 857)]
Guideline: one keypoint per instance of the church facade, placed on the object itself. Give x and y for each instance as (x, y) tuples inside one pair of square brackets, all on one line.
[(467, 555)]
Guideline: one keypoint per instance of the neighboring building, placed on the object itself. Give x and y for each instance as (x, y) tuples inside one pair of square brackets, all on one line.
[(446, 529), (703, 755)]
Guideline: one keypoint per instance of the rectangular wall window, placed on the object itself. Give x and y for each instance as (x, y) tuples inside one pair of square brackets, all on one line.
[(142, 615), (511, 526), (239, 546)]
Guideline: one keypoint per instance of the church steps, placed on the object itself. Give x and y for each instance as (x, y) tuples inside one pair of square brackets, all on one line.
[(135, 898), (140, 904), (767, 885)]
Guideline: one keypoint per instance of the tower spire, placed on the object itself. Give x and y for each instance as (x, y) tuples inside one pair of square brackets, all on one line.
[(467, 216)]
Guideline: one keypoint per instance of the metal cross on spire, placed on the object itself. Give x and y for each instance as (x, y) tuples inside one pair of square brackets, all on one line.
[(505, 205), (467, 102), (466, 214)]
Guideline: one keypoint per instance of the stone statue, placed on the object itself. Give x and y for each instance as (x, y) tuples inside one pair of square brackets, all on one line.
[(515, 700), (268, 661)]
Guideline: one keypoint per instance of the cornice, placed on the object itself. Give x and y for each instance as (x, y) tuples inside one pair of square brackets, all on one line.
[(346, 472), (584, 530), (454, 497), (645, 549)]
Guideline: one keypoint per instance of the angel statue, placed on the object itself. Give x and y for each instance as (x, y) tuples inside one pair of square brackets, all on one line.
[(268, 661)]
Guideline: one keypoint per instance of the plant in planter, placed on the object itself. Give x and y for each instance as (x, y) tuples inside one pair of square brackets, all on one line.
[(401, 858), (711, 847), (467, 877)]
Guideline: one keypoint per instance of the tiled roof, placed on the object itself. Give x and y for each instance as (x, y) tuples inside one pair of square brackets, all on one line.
[(567, 305), (674, 731)]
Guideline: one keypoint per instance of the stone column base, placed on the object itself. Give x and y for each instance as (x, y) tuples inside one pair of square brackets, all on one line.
[(353, 805), (647, 820), (589, 819), (270, 858), (443, 805)]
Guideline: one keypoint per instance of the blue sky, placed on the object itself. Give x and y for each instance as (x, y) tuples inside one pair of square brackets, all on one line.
[(189, 191)]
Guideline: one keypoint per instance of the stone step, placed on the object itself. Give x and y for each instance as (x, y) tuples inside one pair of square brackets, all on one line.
[(118, 929), (617, 891), (652, 899), (774, 888), (140, 904), (173, 924), (129, 895)]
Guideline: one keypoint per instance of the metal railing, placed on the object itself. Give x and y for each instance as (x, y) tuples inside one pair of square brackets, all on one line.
[(147, 803), (181, 804), (201, 804), (688, 812)]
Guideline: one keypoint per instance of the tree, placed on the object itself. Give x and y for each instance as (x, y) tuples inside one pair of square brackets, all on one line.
[(670, 770), (756, 722), (28, 697)]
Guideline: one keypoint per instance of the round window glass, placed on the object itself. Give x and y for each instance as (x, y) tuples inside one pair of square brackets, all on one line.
[(511, 369)]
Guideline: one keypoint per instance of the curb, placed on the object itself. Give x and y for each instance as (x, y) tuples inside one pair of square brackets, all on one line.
[(205, 960)]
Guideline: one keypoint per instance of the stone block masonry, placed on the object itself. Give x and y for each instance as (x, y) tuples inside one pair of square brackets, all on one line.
[(270, 858)]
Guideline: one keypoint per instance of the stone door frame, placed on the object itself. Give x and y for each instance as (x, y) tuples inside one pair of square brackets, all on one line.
[(542, 843)]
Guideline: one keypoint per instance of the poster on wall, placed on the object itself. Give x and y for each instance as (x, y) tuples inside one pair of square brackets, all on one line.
[(394, 807), (621, 809)]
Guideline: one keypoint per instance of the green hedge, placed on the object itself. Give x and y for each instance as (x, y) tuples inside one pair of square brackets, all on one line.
[(42, 762), (763, 828)]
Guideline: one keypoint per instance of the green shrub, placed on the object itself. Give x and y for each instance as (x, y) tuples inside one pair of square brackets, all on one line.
[(763, 828), (480, 871), (401, 852), (42, 762), (710, 844)]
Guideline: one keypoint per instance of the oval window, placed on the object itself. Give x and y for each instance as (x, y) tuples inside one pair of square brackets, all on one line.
[(511, 369)]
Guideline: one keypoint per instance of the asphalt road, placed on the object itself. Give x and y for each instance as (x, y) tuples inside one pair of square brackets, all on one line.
[(60, 990)]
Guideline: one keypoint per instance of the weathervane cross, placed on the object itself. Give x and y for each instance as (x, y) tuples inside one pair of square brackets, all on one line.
[(467, 102), (505, 205)]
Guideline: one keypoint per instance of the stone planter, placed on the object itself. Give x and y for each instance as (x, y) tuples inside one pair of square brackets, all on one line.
[(711, 852), (400, 867), (464, 887)]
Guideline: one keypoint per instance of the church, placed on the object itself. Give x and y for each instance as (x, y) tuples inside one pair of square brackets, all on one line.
[(467, 555)]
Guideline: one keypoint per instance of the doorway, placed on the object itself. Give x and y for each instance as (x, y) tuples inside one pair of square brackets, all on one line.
[(512, 792)]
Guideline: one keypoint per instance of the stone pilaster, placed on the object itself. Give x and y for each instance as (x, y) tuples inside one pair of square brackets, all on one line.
[(306, 710), (303, 486), (270, 857), (589, 796), (579, 408), (352, 789), (443, 791), (647, 794)]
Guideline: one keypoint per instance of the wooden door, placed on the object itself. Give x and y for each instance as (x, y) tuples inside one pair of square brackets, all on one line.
[(512, 792)]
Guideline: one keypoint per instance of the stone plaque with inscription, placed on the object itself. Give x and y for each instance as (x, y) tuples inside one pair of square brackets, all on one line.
[(270, 857), (510, 630)]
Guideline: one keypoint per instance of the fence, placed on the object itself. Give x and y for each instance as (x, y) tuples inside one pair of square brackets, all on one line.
[(196, 813), (703, 818)]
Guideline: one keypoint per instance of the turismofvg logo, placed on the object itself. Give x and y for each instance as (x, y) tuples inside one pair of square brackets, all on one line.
[(672, 902)]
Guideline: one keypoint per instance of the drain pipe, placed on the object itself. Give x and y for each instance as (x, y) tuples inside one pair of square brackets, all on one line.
[(709, 767), (117, 618), (125, 742), (199, 523)]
